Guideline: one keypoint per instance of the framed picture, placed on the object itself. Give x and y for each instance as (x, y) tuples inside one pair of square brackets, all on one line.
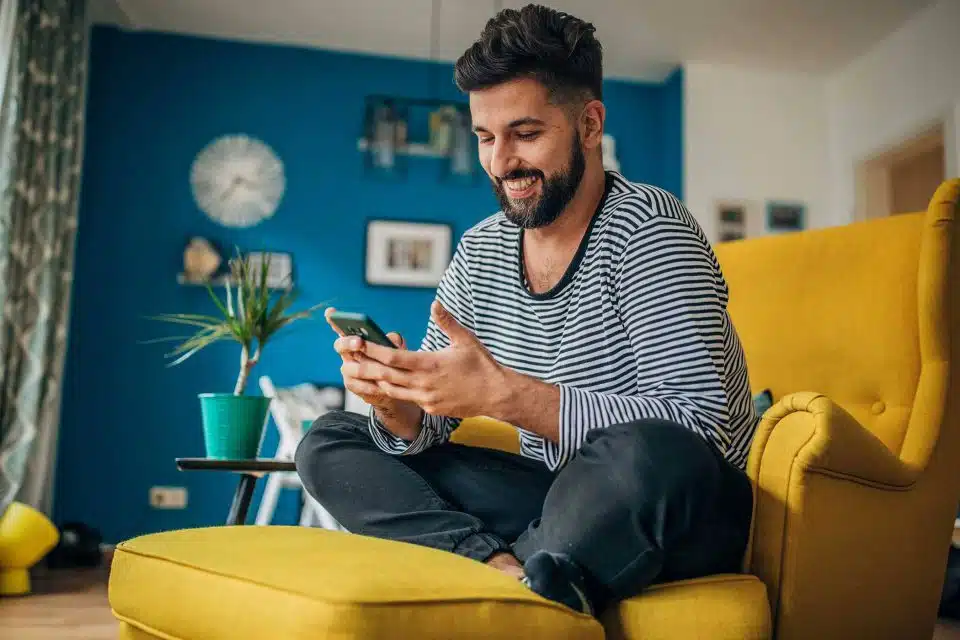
[(279, 271), (407, 254), (731, 221), (783, 217)]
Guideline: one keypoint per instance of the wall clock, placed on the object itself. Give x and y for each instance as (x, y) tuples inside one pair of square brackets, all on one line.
[(237, 180)]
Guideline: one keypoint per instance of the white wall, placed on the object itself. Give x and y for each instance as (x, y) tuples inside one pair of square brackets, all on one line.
[(905, 83), (753, 136)]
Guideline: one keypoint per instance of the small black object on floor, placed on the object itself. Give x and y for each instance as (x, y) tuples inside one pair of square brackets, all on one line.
[(79, 546)]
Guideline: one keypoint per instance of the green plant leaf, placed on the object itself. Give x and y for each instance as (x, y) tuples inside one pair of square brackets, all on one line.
[(284, 301), (279, 323), (258, 315), (194, 320), (216, 300), (198, 341)]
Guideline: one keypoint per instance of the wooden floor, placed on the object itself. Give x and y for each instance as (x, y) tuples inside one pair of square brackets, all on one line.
[(72, 605), (66, 605)]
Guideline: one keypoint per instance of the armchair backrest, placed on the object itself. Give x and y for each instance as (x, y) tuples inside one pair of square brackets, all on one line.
[(851, 312)]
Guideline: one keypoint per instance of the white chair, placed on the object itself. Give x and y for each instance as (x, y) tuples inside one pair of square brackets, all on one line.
[(290, 408)]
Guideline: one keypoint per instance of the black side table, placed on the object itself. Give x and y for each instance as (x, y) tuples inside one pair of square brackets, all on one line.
[(249, 470)]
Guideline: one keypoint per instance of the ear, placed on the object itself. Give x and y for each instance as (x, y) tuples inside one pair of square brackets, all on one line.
[(591, 124)]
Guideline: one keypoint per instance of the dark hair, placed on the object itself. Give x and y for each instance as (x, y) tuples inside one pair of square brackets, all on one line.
[(550, 46)]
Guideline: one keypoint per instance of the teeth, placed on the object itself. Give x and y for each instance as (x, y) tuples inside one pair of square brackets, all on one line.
[(520, 185)]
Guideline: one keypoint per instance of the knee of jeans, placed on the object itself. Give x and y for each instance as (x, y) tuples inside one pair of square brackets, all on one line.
[(657, 459), (326, 431)]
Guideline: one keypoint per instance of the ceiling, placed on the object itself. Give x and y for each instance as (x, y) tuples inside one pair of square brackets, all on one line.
[(642, 39)]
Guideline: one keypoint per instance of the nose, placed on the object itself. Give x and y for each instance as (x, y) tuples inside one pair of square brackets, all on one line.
[(502, 159)]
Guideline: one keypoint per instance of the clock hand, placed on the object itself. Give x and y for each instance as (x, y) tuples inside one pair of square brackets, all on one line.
[(233, 185)]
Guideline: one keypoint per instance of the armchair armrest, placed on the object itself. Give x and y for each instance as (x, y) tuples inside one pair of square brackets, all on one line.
[(810, 431), (830, 500)]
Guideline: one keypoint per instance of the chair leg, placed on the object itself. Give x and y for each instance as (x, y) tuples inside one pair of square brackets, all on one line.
[(268, 503)]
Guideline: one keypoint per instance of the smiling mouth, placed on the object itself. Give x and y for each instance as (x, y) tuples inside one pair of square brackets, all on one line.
[(521, 187)]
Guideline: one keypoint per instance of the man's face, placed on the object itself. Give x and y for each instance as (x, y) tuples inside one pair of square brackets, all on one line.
[(529, 148)]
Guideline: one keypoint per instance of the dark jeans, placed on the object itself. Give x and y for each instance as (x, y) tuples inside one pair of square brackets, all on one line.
[(642, 502)]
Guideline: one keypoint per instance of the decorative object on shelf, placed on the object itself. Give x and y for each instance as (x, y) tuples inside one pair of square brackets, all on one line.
[(237, 180), (731, 221), (442, 127), (385, 133), (785, 217), (233, 422), (609, 146), (407, 254), (441, 123), (200, 270), (200, 260), (279, 268), (463, 157)]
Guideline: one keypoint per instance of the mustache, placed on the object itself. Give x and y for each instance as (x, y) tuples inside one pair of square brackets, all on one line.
[(518, 174)]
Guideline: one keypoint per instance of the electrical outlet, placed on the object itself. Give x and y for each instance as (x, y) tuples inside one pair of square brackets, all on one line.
[(168, 497)]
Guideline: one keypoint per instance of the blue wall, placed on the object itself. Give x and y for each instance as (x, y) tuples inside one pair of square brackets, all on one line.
[(154, 101), (671, 142)]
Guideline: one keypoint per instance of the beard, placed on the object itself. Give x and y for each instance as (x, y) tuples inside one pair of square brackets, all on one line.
[(556, 192)]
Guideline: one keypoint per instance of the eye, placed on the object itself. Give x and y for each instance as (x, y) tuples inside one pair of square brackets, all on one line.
[(485, 139), (531, 135)]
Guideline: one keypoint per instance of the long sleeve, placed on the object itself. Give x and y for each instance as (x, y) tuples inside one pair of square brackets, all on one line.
[(671, 298), (454, 294)]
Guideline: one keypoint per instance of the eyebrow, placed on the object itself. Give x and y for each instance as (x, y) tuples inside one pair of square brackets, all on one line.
[(515, 123)]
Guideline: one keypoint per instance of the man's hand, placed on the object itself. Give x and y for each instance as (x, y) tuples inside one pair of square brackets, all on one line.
[(401, 418), (460, 381)]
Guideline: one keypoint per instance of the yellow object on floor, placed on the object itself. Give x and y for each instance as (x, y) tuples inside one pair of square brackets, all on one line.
[(26, 536), (854, 468)]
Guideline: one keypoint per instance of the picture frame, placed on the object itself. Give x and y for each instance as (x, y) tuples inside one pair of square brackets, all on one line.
[(785, 216), (407, 253), (280, 270), (731, 220)]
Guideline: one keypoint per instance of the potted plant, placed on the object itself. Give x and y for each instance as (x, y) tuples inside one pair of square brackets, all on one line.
[(251, 315)]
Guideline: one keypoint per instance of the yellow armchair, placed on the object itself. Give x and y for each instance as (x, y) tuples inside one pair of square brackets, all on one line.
[(857, 483), (856, 470)]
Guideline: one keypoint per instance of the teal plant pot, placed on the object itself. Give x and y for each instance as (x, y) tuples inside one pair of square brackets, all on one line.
[(233, 425)]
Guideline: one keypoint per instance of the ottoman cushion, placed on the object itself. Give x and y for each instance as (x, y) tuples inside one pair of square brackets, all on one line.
[(251, 582)]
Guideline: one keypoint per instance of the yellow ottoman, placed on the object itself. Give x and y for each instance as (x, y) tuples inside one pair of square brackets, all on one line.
[(286, 583)]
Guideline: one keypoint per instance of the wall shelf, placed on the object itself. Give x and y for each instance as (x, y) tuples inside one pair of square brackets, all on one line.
[(415, 149), (218, 281)]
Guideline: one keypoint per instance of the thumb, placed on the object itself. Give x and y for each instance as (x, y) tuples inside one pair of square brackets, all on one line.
[(397, 340), (449, 325)]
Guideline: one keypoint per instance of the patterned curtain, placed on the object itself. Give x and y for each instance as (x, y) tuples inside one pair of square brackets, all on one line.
[(40, 151)]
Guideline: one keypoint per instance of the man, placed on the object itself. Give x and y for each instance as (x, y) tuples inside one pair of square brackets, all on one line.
[(590, 313)]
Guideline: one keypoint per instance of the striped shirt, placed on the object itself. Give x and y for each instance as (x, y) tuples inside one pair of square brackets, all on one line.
[(636, 328)]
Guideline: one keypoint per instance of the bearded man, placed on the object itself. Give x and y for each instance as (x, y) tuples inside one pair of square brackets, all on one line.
[(591, 313)]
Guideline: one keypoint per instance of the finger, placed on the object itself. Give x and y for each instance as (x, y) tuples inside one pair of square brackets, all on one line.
[(363, 388), (367, 369), (397, 340), (348, 345), (350, 370), (398, 392), (400, 358), (449, 325), (326, 315)]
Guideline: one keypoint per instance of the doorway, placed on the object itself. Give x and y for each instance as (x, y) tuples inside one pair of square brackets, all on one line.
[(904, 178)]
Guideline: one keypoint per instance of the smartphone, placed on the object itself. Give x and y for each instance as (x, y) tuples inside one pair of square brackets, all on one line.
[(360, 324)]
